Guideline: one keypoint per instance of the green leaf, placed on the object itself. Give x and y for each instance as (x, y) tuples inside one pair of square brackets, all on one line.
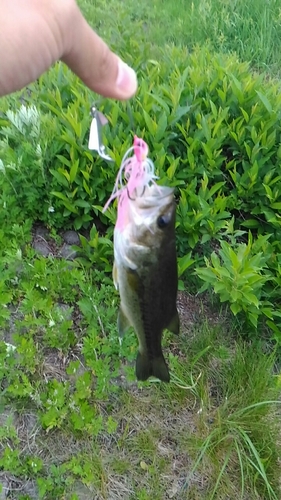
[(73, 171), (60, 178), (161, 101), (252, 299), (87, 188), (161, 128), (70, 207), (237, 89), (151, 124), (76, 126), (245, 114), (171, 171), (250, 223), (64, 160), (181, 286), (265, 101), (82, 204), (86, 175), (64, 172), (276, 206), (179, 113), (184, 263), (215, 188), (60, 195), (235, 308)]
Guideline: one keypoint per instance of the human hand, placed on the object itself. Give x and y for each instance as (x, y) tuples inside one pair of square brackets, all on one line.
[(36, 33)]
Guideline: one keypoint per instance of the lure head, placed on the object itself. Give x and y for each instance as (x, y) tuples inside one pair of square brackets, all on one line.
[(138, 172), (140, 149)]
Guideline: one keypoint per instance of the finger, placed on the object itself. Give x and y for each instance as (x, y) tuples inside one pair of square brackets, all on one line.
[(27, 45), (92, 60)]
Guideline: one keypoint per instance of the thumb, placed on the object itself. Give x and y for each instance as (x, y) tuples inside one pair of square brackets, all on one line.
[(92, 61)]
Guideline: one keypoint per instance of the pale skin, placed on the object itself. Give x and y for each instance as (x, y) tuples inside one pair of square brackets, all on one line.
[(36, 33)]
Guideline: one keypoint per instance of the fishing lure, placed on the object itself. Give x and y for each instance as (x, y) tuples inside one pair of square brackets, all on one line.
[(139, 172), (95, 136)]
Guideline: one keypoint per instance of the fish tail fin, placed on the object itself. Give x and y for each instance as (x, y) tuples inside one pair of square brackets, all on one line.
[(156, 367)]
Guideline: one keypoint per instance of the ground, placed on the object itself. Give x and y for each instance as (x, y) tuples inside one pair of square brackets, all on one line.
[(159, 431)]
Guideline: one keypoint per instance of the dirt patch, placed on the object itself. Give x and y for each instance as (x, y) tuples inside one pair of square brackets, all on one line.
[(195, 309), (13, 487)]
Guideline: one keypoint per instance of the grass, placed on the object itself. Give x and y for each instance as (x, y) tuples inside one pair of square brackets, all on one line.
[(251, 29), (214, 428), (74, 422)]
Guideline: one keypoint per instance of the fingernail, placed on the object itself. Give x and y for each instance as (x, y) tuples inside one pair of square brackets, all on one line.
[(126, 79)]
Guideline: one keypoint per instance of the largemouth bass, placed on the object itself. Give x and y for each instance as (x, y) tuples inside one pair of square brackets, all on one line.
[(145, 274)]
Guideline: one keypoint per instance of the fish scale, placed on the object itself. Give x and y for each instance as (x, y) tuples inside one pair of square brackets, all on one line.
[(148, 292)]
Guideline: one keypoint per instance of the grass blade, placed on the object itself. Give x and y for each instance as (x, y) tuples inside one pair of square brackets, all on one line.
[(258, 464), (241, 467), (221, 472)]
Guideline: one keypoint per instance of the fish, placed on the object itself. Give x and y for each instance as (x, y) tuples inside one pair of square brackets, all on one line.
[(145, 275)]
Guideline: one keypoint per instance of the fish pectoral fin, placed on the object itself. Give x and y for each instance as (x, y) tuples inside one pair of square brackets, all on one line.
[(122, 322), (174, 325), (156, 367), (115, 276), (133, 279)]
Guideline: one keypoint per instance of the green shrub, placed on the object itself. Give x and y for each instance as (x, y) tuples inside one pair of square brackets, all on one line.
[(213, 129), (238, 276)]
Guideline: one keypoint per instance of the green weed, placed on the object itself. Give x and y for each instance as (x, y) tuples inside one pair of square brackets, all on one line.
[(251, 30), (73, 421)]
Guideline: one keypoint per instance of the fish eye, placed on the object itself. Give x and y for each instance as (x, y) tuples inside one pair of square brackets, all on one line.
[(163, 221)]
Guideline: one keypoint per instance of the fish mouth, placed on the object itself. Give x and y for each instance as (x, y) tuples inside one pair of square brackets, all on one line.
[(152, 195)]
